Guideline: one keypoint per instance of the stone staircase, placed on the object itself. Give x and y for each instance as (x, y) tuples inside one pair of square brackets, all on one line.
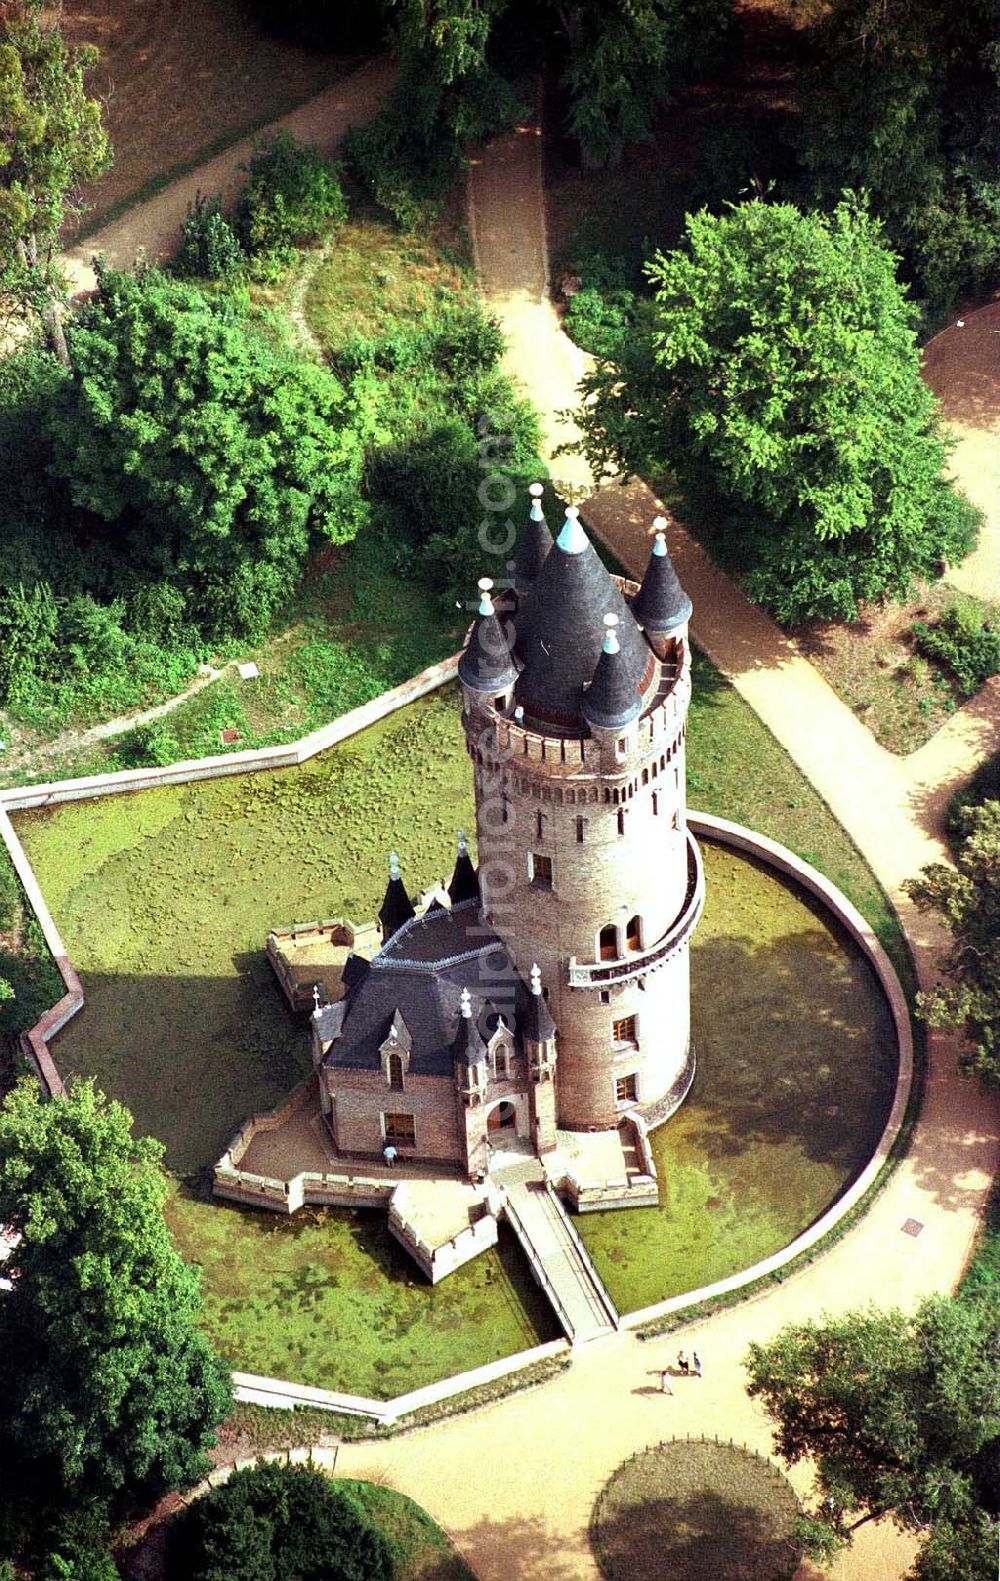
[(557, 1256)]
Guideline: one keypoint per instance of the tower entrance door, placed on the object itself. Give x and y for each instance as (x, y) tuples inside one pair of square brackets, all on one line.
[(502, 1118)]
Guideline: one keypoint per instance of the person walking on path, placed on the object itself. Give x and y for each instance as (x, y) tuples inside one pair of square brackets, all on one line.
[(696, 1363), (665, 1381), (682, 1361)]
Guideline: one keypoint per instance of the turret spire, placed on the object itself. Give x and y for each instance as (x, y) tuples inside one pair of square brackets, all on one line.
[(661, 604), (533, 550), (612, 699), (464, 883), (487, 665), (397, 907)]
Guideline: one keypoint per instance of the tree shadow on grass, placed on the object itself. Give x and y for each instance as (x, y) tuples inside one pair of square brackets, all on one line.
[(699, 1536)]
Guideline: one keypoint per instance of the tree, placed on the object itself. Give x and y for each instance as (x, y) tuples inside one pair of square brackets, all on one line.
[(109, 1395), (902, 102), (779, 360), (51, 142), (218, 458), (279, 1523), (967, 898), (896, 1411)]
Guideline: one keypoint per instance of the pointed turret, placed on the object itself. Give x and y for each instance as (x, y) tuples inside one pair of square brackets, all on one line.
[(464, 883), (469, 1048), (397, 907), (534, 547), (487, 665), (612, 700), (661, 605), (537, 1025), (559, 636)]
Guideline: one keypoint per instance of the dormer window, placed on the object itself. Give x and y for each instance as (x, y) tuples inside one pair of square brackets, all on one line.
[(394, 1072)]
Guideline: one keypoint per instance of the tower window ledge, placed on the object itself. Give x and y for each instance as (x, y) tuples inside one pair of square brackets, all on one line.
[(598, 974)]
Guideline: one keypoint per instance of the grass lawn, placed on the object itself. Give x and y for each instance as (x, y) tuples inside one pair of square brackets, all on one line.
[(423, 1551), (903, 697), (696, 1510), (165, 899)]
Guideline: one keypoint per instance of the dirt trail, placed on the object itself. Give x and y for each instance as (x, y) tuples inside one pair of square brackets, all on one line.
[(962, 367), (153, 227)]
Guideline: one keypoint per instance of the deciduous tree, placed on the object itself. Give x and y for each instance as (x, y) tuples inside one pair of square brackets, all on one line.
[(779, 359), (51, 143), (897, 1413), (109, 1395)]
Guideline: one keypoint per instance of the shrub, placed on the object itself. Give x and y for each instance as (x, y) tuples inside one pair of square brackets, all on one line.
[(10, 894), (965, 642), (599, 320), (982, 787), (293, 195), (209, 249), (278, 1523), (28, 622)]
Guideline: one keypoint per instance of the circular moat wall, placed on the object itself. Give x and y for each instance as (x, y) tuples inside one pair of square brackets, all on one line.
[(797, 1065), (164, 900)]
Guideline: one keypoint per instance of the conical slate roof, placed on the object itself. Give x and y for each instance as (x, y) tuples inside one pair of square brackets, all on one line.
[(562, 627), (661, 604), (464, 883), (487, 665), (534, 547), (469, 1047), (397, 907), (536, 1018), (612, 699)]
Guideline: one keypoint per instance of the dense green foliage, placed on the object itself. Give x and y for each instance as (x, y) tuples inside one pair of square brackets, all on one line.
[(215, 459), (779, 360), (108, 1394), (967, 897), (292, 196), (983, 786), (460, 62), (279, 1523), (902, 101), (51, 143), (209, 249), (965, 641), (901, 1416)]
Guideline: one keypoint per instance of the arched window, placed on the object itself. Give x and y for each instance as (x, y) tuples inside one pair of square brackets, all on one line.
[(633, 935), (395, 1072), (609, 943)]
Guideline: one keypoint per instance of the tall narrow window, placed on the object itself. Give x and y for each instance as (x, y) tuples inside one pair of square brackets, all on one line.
[(633, 935), (609, 943), (540, 870), (395, 1072), (540, 824), (621, 821), (656, 803), (581, 829)]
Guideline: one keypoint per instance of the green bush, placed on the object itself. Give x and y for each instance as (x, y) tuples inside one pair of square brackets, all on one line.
[(278, 1523), (28, 622), (10, 894), (982, 787), (965, 642), (209, 249), (408, 176), (292, 196), (599, 320)]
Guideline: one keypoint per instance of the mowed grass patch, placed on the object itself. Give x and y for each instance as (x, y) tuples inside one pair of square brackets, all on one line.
[(378, 273), (696, 1510), (796, 1071), (423, 1552), (165, 900), (328, 1297)]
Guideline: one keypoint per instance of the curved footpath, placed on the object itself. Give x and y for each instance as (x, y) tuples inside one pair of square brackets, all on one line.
[(514, 1483)]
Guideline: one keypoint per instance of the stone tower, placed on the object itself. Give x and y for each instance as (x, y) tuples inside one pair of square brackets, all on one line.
[(575, 704)]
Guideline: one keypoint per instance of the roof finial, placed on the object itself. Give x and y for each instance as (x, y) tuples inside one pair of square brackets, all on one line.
[(315, 999), (572, 539), (393, 865), (536, 491), (463, 846), (486, 602), (466, 1004), (660, 541), (536, 979), (611, 643)]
